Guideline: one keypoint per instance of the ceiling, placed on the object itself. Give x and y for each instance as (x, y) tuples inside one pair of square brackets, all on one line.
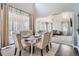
[(45, 9)]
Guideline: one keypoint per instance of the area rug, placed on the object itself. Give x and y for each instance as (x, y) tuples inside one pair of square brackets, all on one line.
[(10, 51)]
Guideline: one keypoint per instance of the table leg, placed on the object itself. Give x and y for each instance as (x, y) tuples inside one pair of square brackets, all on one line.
[(31, 49)]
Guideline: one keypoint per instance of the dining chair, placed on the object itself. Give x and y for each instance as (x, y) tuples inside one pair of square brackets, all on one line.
[(26, 33), (20, 44), (43, 43)]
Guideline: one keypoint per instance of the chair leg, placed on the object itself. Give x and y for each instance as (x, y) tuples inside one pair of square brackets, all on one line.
[(15, 51), (50, 45), (0, 53), (33, 49), (47, 48), (41, 52), (20, 53), (30, 49)]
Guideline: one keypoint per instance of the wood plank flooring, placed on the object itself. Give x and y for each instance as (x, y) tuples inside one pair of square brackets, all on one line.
[(65, 50)]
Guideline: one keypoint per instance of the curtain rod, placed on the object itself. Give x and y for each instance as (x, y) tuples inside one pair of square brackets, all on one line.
[(19, 9)]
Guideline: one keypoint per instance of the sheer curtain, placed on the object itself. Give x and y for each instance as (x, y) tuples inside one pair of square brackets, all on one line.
[(18, 21), (50, 27), (40, 26), (65, 28), (0, 29), (44, 24)]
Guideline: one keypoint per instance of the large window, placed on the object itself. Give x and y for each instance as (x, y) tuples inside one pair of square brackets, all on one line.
[(65, 28), (18, 21), (43, 24)]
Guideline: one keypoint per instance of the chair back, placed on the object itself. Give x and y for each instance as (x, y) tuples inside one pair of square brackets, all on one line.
[(18, 43), (45, 39), (26, 33)]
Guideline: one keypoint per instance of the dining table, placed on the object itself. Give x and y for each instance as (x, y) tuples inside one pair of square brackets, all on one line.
[(32, 40)]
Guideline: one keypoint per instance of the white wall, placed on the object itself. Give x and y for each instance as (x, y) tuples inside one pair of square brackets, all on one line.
[(57, 22), (58, 19)]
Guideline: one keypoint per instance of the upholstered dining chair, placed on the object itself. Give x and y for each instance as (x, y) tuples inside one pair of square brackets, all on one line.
[(26, 33), (20, 44), (43, 43)]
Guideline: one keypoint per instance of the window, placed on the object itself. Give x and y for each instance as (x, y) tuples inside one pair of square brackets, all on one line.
[(65, 27), (43, 24), (18, 21)]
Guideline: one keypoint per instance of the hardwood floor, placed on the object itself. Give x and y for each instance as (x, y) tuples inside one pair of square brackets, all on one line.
[(65, 50)]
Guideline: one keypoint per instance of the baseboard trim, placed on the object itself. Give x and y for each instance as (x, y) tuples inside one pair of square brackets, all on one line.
[(7, 46)]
